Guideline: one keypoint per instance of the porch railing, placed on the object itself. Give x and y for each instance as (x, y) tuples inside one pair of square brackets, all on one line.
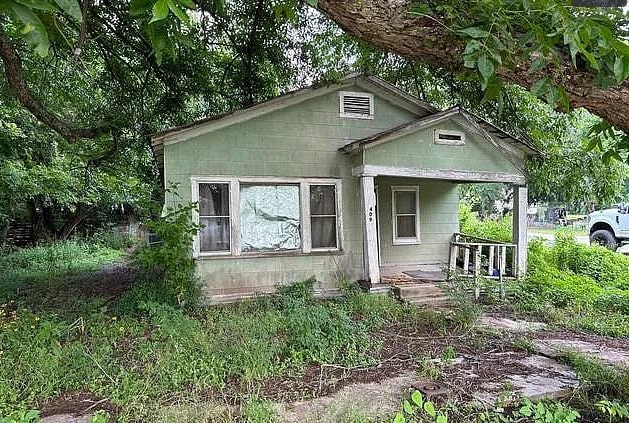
[(473, 257)]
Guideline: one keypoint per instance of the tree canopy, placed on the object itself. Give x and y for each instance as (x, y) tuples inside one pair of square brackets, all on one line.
[(87, 82)]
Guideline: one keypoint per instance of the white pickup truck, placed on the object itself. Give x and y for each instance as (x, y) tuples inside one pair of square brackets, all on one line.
[(609, 227)]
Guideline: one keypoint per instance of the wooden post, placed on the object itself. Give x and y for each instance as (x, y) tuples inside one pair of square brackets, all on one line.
[(502, 262), (490, 266), (520, 205), (454, 253), (370, 231), (477, 260), (466, 261)]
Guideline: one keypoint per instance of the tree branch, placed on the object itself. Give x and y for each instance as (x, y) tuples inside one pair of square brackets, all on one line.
[(15, 77), (389, 25)]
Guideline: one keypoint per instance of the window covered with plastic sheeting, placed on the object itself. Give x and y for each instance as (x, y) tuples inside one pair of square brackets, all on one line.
[(214, 218), (269, 218)]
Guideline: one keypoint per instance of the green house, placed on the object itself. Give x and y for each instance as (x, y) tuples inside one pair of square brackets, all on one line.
[(356, 179)]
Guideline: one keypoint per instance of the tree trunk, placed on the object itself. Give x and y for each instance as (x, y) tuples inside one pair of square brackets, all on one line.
[(79, 215), (388, 25)]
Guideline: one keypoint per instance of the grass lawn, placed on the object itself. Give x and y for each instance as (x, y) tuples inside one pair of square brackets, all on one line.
[(78, 324), (562, 230)]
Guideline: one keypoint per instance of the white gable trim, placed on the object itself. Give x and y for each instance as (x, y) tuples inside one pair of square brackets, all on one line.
[(511, 153)]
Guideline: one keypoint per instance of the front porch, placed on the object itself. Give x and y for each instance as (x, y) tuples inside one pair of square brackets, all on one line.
[(419, 279)]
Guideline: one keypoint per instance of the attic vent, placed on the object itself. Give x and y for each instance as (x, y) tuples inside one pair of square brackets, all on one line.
[(449, 137), (356, 105)]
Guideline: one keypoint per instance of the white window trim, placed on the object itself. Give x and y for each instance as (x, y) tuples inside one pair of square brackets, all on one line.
[(338, 207), (233, 203), (440, 141), (342, 113), (405, 240), (234, 217)]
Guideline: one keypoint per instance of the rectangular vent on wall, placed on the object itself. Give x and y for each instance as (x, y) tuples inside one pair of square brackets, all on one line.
[(449, 137), (356, 105)]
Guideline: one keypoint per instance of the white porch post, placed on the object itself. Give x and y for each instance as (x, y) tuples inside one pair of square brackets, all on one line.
[(370, 232), (520, 205)]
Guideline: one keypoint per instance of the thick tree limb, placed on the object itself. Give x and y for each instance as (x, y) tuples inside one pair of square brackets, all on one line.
[(15, 77), (388, 25)]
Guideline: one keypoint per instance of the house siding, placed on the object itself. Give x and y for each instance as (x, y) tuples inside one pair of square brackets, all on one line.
[(299, 141), (438, 220), (418, 150)]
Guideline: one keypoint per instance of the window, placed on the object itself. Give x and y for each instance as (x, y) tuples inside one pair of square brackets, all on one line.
[(266, 215), (356, 105), (214, 216), (446, 137), (323, 220), (405, 215), (269, 218)]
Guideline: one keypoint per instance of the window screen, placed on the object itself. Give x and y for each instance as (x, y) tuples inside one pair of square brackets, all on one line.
[(214, 217), (269, 218), (323, 216), (405, 213)]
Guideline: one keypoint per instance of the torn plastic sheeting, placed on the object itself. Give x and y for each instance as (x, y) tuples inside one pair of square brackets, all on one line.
[(269, 217)]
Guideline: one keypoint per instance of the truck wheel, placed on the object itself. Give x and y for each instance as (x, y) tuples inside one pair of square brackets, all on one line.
[(604, 238)]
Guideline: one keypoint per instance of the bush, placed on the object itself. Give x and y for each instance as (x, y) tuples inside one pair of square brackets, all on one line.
[(497, 230), (578, 285), (171, 259)]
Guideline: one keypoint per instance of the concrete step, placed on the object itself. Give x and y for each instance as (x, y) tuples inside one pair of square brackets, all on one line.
[(422, 294)]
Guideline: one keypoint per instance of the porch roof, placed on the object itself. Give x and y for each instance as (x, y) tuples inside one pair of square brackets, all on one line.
[(488, 130)]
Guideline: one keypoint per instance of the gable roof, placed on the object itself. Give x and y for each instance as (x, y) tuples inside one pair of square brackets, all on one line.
[(368, 82), (495, 135)]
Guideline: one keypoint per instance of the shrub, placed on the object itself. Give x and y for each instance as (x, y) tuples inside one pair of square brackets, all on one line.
[(577, 285), (171, 259), (498, 230)]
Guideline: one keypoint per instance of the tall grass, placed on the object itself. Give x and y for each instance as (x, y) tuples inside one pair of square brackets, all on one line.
[(48, 262), (580, 286)]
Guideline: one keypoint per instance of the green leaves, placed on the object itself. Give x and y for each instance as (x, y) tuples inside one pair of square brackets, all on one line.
[(160, 11), (485, 68), (621, 68), (473, 32), (71, 7), (417, 398), (34, 29)]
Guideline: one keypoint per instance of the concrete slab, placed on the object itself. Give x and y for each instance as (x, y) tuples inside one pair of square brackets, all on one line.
[(511, 325), (371, 401), (548, 379), (65, 418), (554, 348)]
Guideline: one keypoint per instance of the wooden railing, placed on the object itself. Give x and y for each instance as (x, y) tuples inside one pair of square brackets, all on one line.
[(474, 257)]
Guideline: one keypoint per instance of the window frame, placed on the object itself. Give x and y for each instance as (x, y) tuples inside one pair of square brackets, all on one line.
[(405, 240), (234, 207), (440, 141), (195, 182), (337, 209), (346, 115)]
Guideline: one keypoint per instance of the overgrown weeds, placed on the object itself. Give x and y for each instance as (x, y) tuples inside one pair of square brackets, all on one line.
[(577, 286)]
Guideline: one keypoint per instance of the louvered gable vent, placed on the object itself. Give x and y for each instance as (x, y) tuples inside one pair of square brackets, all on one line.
[(356, 105)]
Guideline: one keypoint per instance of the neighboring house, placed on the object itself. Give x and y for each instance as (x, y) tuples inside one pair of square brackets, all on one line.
[(353, 179)]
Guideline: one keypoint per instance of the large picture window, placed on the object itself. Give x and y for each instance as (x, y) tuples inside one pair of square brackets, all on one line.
[(253, 216), (405, 215), (269, 218), (214, 217)]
